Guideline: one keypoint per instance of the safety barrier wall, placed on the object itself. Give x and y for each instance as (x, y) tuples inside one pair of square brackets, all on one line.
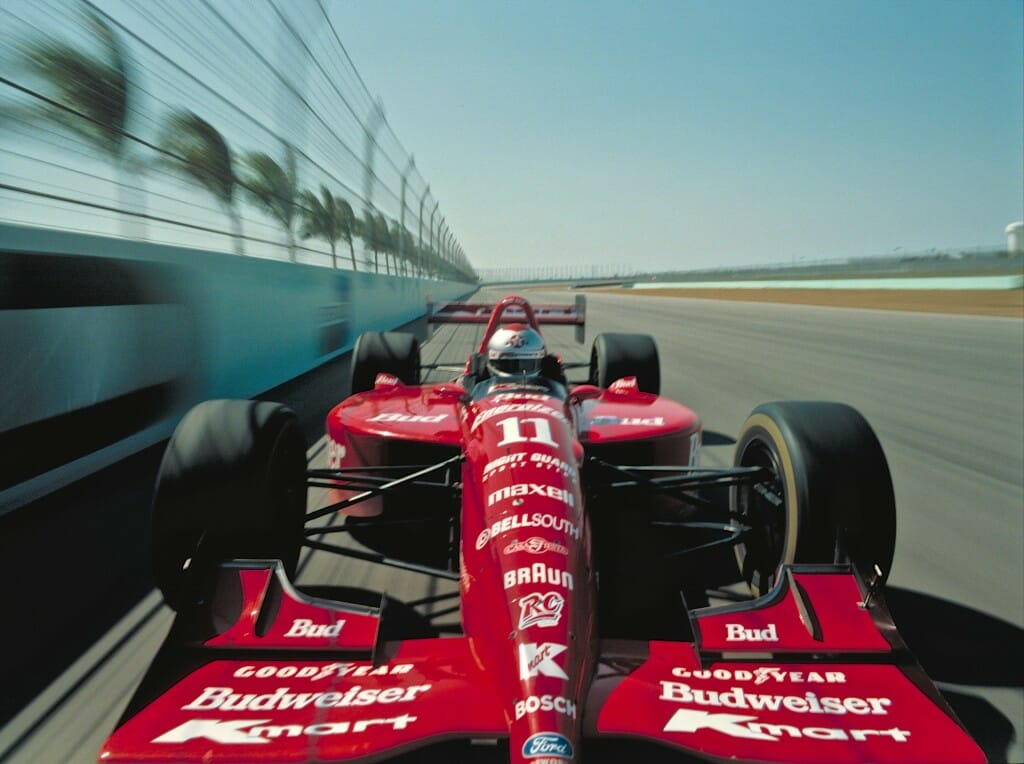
[(106, 342)]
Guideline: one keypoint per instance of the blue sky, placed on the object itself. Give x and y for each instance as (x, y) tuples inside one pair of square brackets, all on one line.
[(702, 134)]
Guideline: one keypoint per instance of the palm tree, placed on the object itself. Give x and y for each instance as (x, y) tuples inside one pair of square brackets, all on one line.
[(348, 225), (90, 94), (323, 218), (202, 155), (275, 189)]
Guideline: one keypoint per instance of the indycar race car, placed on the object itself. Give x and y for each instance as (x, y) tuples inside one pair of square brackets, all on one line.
[(597, 563)]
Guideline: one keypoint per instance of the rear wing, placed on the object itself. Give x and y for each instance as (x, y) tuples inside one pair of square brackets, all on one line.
[(510, 309)]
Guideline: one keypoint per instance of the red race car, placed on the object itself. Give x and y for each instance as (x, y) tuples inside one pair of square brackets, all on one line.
[(585, 538)]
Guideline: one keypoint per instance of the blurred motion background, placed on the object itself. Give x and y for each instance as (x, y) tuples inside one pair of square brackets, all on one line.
[(234, 126)]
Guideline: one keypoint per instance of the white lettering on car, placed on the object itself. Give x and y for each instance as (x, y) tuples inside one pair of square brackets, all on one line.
[(235, 732), (762, 674), (226, 699), (514, 408), (419, 418), (542, 610), (538, 573), (317, 672), (535, 703), (535, 545), (532, 520), (563, 495), (808, 703), (539, 660), (304, 627), (735, 632), (744, 726)]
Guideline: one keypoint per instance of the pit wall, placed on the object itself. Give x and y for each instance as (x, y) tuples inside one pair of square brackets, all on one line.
[(105, 343)]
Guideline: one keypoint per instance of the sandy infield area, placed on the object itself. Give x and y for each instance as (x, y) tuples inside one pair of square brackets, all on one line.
[(981, 302)]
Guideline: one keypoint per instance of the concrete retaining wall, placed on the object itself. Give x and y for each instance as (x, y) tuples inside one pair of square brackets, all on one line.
[(105, 343)]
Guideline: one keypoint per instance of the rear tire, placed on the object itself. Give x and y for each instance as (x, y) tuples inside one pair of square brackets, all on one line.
[(837, 497), (396, 353), (616, 355), (232, 484)]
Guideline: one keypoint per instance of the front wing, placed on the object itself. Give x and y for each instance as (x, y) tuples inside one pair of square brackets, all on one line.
[(810, 673)]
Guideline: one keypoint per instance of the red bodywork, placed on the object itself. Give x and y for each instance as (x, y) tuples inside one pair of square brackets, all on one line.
[(807, 673)]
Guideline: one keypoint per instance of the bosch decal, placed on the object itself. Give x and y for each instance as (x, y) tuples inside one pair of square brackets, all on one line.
[(540, 609), (536, 703)]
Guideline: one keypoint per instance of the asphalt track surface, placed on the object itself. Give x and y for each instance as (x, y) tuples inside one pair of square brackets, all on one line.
[(945, 394)]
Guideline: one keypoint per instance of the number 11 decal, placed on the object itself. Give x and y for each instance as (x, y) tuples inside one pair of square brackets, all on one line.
[(512, 431)]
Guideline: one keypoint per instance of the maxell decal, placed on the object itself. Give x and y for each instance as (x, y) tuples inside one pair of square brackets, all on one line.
[(540, 609), (532, 489), (536, 545), (321, 671), (538, 573), (763, 674), (744, 726), (536, 703), (304, 627), (259, 731), (808, 703), (539, 660), (335, 453), (735, 632), (225, 699)]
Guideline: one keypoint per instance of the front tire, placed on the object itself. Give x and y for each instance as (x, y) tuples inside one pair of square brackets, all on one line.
[(617, 355), (232, 484), (830, 473), (396, 353)]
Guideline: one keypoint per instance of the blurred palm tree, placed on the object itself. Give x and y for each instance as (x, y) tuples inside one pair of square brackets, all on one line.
[(201, 153), (330, 218), (275, 189), (90, 94)]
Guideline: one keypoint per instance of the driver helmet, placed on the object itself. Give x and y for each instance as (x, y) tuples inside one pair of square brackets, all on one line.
[(515, 350)]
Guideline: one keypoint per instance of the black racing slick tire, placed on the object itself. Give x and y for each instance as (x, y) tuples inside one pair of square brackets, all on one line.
[(395, 353), (616, 355), (232, 484), (829, 498)]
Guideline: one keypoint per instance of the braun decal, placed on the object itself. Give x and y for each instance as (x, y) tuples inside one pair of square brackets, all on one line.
[(538, 573)]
